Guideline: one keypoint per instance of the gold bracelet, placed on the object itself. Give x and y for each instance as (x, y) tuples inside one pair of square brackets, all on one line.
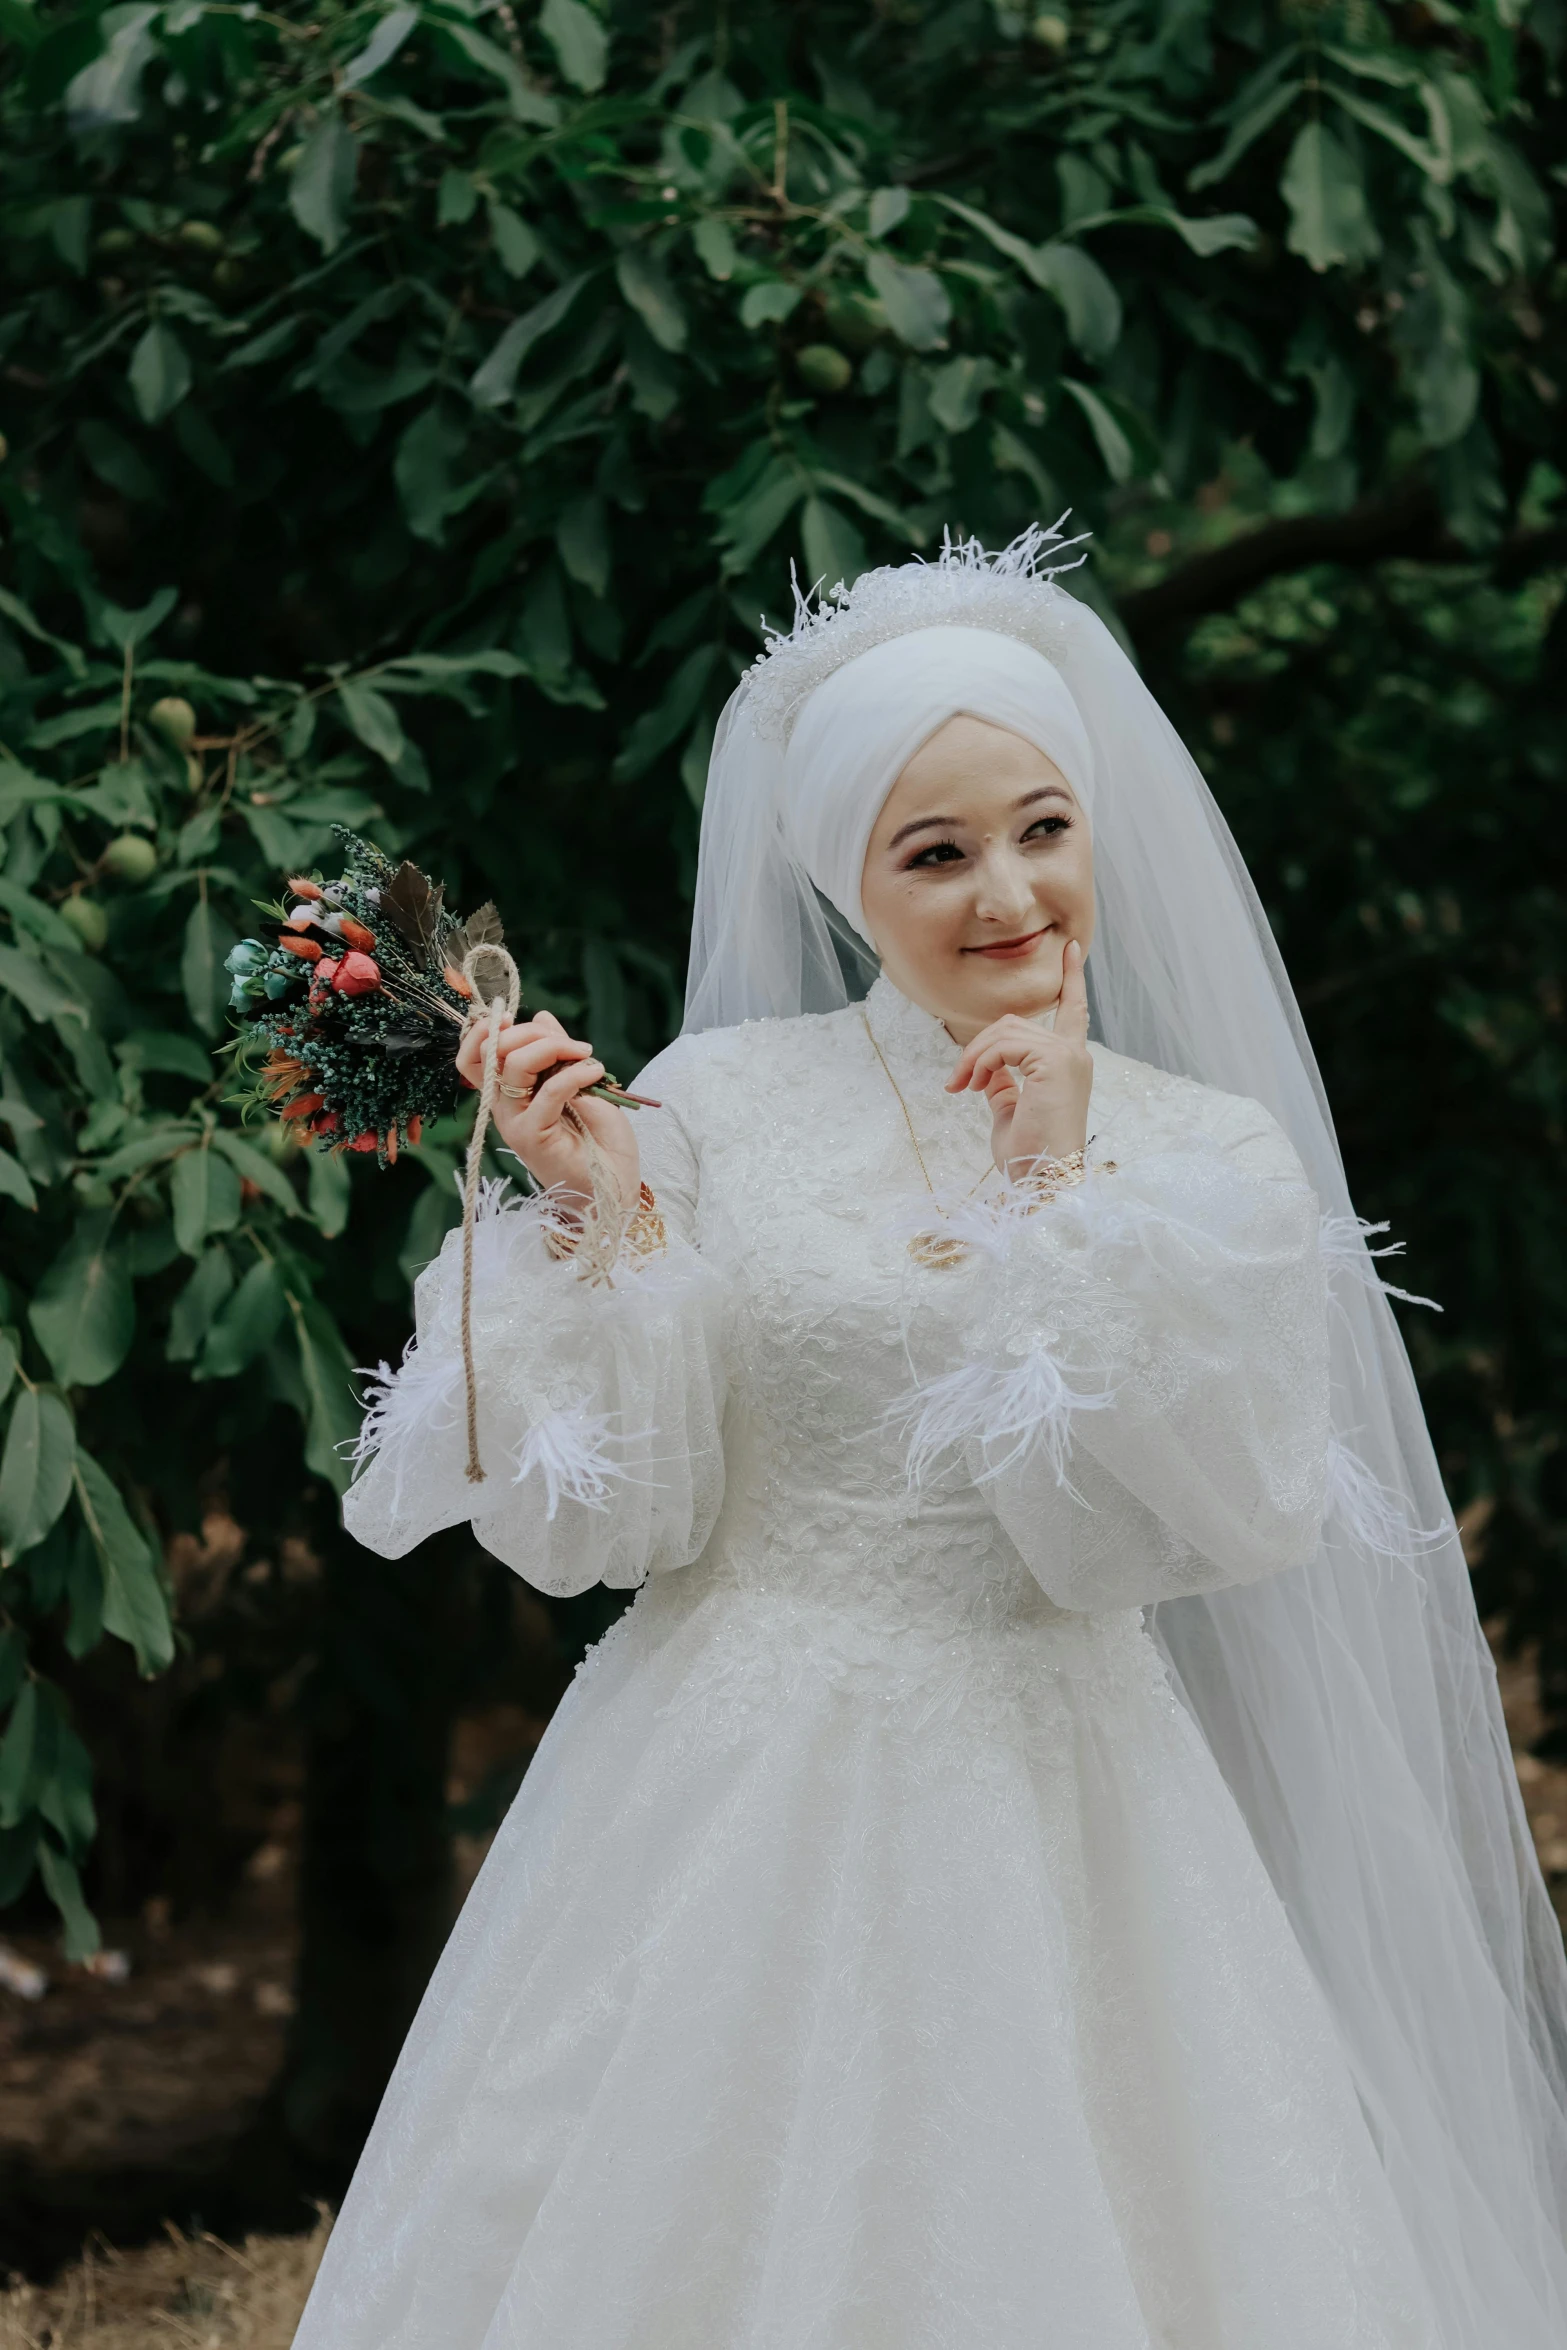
[(645, 1235)]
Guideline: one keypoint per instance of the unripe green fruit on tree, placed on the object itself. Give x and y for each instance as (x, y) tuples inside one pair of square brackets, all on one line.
[(115, 240), (229, 275), (855, 321), (130, 857), (821, 368), (1050, 31), (174, 717), (193, 771), (89, 921), (202, 234)]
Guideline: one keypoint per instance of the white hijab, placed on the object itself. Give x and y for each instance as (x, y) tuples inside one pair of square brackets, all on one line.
[(863, 724)]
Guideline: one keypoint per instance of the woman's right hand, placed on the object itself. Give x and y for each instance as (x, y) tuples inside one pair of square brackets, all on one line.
[(532, 1120)]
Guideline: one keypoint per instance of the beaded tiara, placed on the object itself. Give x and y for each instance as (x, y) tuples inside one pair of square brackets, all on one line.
[(1011, 591)]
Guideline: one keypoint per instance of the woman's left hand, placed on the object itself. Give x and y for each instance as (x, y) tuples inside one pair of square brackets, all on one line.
[(1037, 1080)]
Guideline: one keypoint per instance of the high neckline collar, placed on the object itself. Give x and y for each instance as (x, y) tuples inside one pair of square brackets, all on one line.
[(916, 1044)]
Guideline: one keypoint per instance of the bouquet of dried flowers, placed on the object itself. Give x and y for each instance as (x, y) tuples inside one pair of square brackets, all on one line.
[(353, 1008)]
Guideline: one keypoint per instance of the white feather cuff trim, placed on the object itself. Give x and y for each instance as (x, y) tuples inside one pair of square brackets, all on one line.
[(572, 1450), (1006, 1413), (1370, 1514)]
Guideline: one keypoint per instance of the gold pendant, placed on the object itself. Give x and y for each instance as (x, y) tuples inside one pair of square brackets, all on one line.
[(939, 1249)]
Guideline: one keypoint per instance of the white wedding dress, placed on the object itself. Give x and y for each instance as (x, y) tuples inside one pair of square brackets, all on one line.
[(874, 1958)]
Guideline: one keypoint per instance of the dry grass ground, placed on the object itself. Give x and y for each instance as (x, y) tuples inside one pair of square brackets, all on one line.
[(187, 2293)]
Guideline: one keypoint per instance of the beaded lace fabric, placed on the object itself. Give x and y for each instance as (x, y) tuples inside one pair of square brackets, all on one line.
[(874, 1958)]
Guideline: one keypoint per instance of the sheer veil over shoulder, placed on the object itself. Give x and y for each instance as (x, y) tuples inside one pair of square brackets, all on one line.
[(1351, 1704)]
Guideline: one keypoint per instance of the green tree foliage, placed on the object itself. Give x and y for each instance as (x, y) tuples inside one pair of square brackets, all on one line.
[(410, 413)]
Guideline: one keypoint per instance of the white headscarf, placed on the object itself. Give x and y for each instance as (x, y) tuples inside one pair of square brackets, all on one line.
[(861, 726)]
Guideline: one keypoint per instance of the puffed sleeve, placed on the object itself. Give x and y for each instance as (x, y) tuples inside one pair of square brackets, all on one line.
[(599, 1402), (1146, 1391)]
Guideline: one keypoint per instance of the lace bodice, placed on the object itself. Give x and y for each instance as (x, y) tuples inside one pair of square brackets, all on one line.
[(1114, 1399)]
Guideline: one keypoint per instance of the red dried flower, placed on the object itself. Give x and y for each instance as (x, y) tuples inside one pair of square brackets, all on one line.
[(356, 975)]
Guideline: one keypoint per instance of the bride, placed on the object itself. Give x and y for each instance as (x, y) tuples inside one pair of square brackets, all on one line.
[(1036, 1867)]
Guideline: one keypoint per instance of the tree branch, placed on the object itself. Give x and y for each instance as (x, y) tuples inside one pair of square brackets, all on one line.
[(1407, 522)]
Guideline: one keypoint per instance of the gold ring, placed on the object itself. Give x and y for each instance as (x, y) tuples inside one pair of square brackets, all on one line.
[(516, 1093)]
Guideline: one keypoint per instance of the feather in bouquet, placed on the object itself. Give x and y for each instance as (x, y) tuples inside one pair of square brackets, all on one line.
[(360, 1000)]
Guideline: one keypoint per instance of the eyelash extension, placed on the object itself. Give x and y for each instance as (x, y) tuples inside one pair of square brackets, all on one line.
[(1056, 824)]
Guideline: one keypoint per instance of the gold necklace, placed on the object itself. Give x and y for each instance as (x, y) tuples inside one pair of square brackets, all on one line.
[(936, 1249)]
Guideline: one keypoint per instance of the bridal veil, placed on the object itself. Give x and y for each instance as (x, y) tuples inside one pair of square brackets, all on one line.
[(1351, 1704)]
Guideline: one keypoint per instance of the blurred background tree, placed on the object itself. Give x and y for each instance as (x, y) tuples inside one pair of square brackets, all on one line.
[(410, 413)]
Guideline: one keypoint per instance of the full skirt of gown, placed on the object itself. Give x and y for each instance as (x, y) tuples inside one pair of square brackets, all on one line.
[(841, 1985)]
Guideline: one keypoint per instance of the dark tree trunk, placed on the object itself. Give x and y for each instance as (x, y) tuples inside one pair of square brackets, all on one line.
[(376, 1883)]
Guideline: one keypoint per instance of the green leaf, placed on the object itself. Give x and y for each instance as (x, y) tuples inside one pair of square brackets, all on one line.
[(40, 995), (958, 389), (247, 1324), (8, 1364), (657, 728), (64, 1798), (715, 247), (915, 300), (494, 383), (197, 1304), (647, 288), (253, 1166), (582, 535), (64, 1888), (1244, 131), (126, 629), (326, 1368), (17, 1750), (168, 1050), (40, 921), (1088, 300), (204, 1195), (769, 302), (423, 471), (527, 103), (159, 373), (16, 1184), (330, 1193), (382, 46), (578, 40), (889, 208), (753, 520), (144, 1149), (516, 247), (35, 1469), (321, 185), (83, 1312), (1387, 126), (372, 718), (1113, 445), (833, 548), (1330, 224), (208, 939), (135, 1608)]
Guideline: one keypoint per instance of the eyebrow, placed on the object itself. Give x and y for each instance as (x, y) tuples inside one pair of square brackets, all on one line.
[(1046, 791)]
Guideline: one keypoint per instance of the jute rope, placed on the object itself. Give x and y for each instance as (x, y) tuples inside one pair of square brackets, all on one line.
[(486, 969), (491, 973)]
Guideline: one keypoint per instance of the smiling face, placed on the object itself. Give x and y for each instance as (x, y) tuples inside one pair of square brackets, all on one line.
[(978, 872)]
